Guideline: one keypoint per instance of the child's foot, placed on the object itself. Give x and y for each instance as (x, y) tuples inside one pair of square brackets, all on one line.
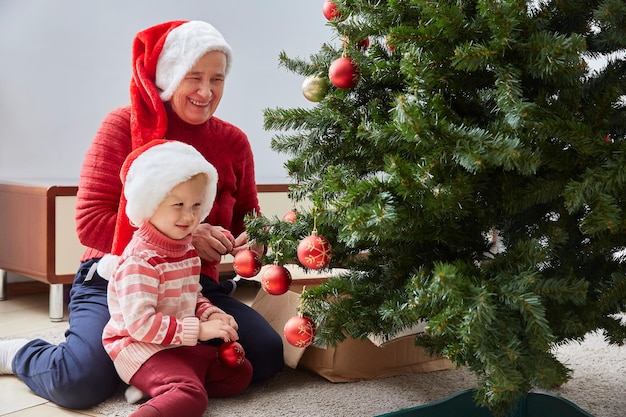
[(134, 395)]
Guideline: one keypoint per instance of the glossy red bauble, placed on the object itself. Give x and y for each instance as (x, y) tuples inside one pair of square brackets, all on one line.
[(229, 236), (390, 45), (330, 10), (276, 280), (363, 44), (314, 252), (344, 73), (247, 263), (290, 216), (299, 331), (231, 354)]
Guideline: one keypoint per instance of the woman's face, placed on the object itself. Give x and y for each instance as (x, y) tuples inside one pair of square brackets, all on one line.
[(198, 94)]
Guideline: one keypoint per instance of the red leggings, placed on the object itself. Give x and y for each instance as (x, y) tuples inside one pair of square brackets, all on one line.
[(181, 380)]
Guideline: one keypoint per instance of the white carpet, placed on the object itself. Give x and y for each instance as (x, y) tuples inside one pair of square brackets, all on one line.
[(599, 380), (597, 386)]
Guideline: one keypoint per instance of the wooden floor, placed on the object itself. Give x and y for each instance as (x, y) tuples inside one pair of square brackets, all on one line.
[(26, 312)]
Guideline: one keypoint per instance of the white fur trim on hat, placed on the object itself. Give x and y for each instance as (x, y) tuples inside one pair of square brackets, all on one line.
[(157, 170), (183, 47)]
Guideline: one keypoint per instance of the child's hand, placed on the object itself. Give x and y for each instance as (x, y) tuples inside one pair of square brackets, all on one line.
[(217, 329), (225, 318)]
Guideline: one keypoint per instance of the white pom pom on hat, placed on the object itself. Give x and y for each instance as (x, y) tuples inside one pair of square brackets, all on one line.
[(148, 174)]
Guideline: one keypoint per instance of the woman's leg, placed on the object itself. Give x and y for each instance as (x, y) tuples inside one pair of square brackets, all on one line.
[(263, 346), (76, 373)]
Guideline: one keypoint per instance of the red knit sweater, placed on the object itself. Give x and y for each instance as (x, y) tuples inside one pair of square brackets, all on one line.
[(99, 189)]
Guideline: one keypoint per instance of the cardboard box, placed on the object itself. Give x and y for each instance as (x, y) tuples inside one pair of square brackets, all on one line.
[(356, 359), (353, 359)]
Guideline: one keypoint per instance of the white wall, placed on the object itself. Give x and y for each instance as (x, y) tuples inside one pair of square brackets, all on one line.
[(65, 63)]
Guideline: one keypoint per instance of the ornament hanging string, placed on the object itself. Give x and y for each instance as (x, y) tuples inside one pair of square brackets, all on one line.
[(301, 301), (314, 232)]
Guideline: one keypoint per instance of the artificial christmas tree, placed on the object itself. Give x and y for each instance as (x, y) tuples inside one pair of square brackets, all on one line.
[(466, 179)]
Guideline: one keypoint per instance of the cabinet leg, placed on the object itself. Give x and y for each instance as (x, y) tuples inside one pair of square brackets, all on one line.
[(56, 302), (3, 284)]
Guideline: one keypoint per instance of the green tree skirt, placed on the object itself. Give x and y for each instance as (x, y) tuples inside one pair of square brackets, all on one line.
[(534, 404)]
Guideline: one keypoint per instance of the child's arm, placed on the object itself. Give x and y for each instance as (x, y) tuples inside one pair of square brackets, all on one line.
[(205, 308), (206, 311)]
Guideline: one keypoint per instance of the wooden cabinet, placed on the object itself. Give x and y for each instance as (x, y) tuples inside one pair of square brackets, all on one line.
[(38, 235)]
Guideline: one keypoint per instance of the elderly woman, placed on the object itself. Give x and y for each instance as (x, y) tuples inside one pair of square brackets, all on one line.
[(178, 74)]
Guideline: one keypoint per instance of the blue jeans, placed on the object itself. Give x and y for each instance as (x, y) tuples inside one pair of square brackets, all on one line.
[(78, 373)]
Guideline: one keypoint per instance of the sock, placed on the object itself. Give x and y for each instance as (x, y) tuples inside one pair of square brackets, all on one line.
[(134, 395), (8, 349)]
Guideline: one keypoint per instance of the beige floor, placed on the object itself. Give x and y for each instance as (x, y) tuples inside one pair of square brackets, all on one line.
[(23, 314)]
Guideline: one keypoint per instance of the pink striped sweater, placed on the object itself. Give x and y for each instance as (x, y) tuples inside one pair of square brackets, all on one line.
[(154, 300)]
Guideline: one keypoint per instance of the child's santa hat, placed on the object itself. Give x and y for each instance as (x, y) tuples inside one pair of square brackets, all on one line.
[(161, 57), (148, 174)]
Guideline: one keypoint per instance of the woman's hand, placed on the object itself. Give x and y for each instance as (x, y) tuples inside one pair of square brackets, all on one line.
[(241, 243), (212, 242)]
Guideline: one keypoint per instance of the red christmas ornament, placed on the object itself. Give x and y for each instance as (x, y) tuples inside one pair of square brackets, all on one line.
[(231, 354), (299, 331), (314, 251), (390, 45), (290, 216), (363, 44), (276, 280), (229, 236), (330, 10), (247, 263), (344, 73)]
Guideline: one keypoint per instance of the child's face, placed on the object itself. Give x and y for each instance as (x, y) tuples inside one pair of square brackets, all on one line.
[(179, 213)]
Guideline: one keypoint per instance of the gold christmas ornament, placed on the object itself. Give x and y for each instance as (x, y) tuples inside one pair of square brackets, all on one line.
[(315, 87)]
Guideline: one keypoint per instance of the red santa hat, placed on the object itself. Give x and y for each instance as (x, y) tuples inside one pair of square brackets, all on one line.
[(148, 174), (161, 57)]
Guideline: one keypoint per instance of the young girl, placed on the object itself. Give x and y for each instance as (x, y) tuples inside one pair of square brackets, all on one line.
[(158, 314)]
